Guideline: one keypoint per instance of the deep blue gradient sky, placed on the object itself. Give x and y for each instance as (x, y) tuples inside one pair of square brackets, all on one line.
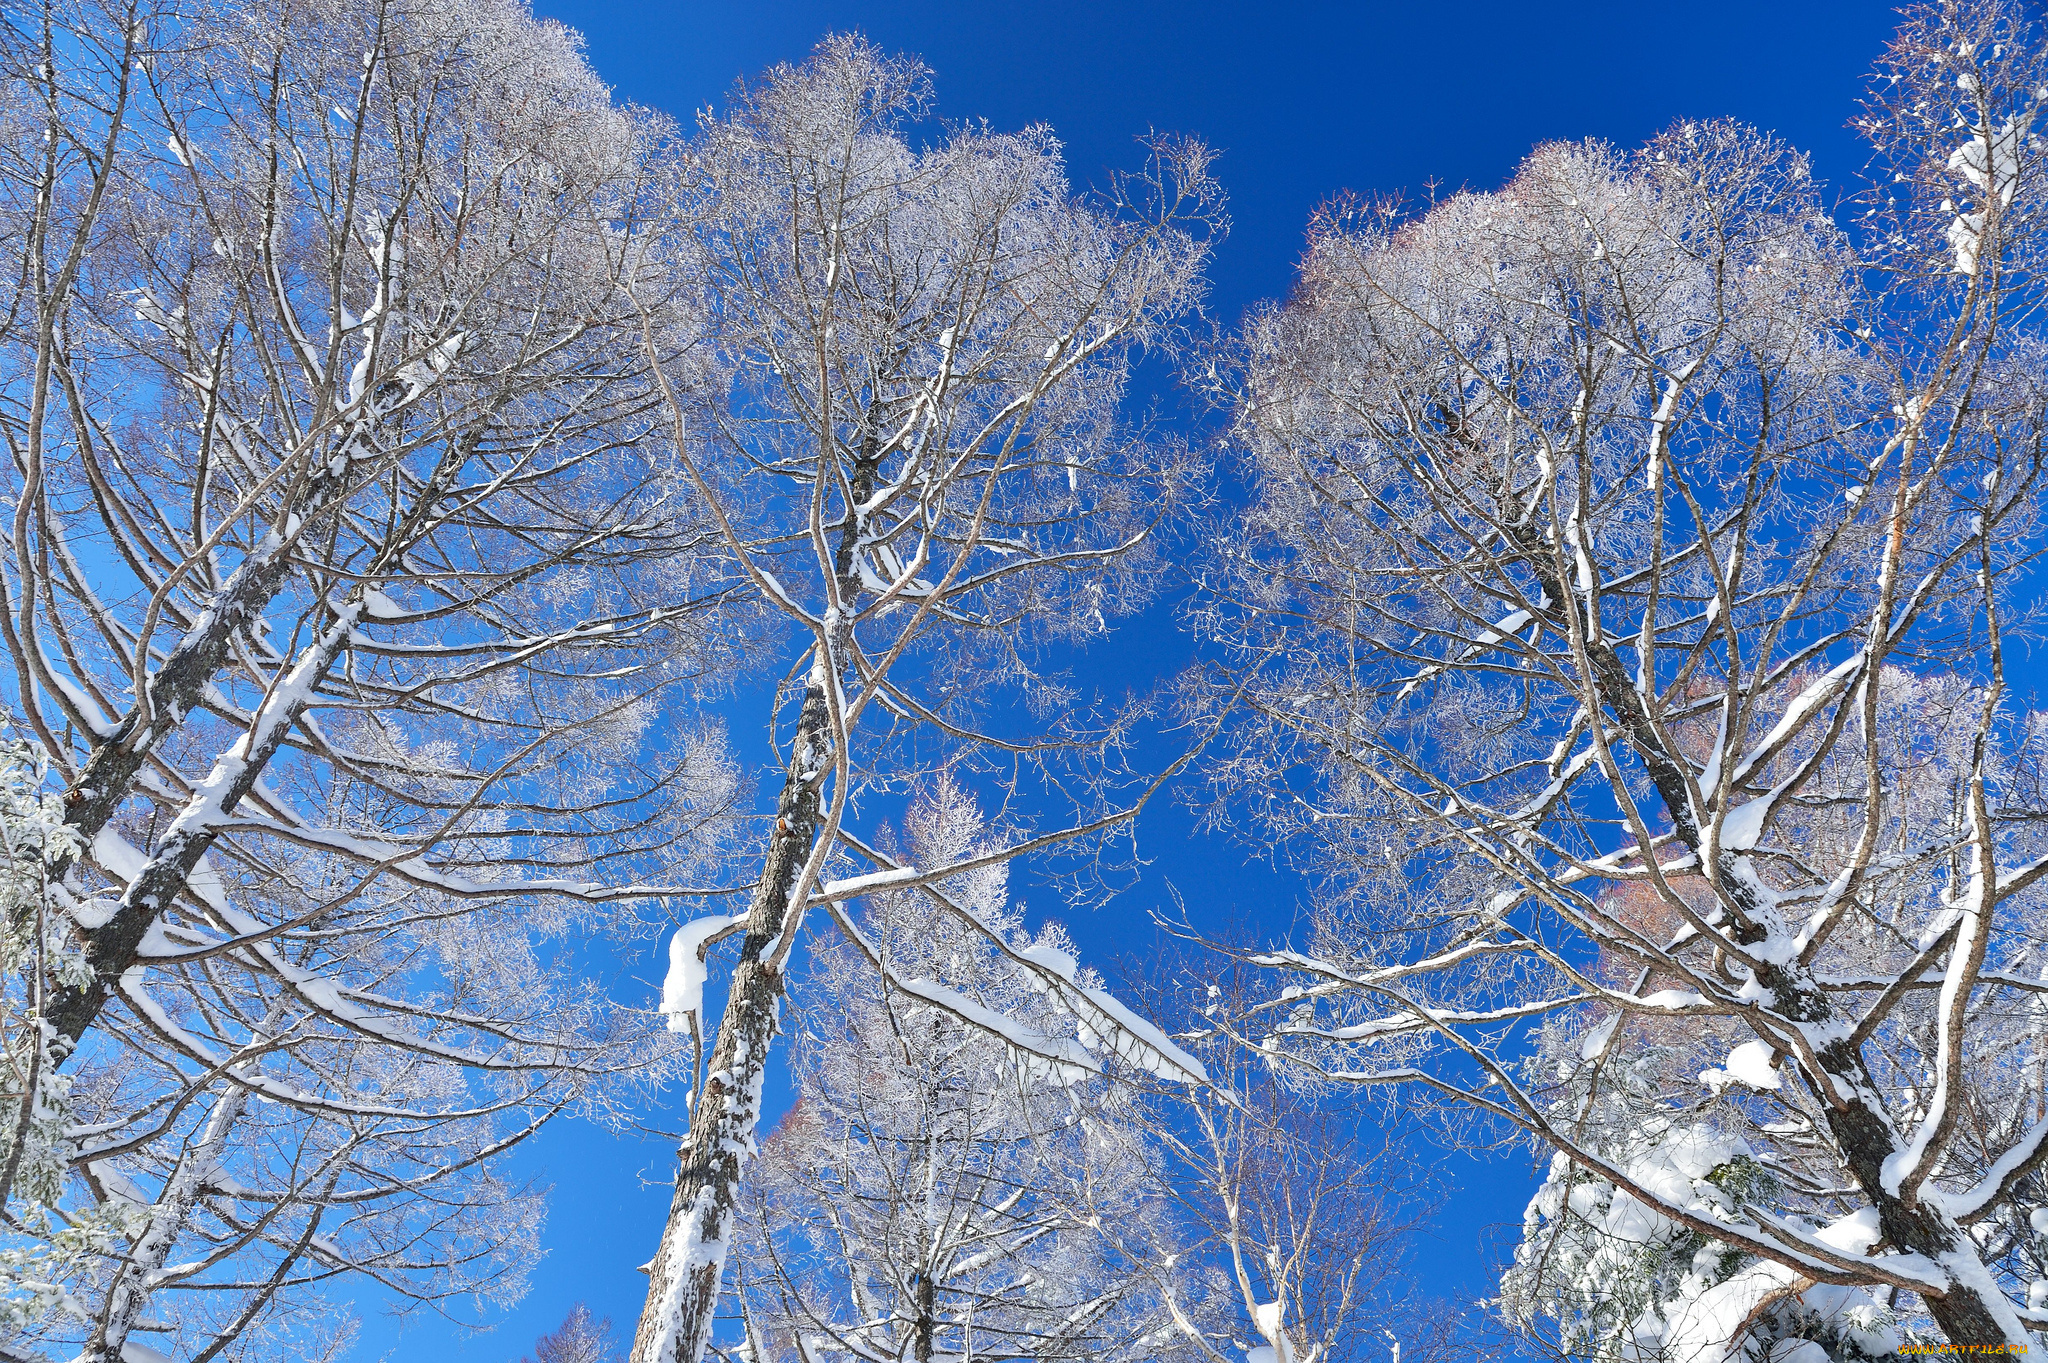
[(1305, 100)]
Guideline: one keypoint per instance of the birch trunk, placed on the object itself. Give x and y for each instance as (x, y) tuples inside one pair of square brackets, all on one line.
[(683, 1286)]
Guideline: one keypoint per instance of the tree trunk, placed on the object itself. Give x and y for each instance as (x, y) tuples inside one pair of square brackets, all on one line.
[(683, 1280), (927, 1316), (178, 687), (113, 947), (682, 1290), (1971, 1313), (1974, 1311)]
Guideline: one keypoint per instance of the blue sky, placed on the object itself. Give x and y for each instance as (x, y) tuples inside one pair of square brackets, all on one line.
[(1304, 100)]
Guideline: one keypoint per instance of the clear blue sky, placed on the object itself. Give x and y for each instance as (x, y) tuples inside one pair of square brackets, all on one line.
[(1305, 100)]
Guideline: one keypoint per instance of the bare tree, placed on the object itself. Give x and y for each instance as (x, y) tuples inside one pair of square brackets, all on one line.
[(1633, 528), (913, 453), (936, 1193), (1289, 1219), (342, 579), (938, 1190), (581, 1338)]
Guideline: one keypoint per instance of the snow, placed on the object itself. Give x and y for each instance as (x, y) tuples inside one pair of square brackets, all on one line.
[(887, 574), (1702, 1329), (1750, 1064), (1797, 1351), (1802, 708), (1697, 1151), (854, 886), (1660, 420), (1503, 627), (1852, 1234), (378, 606), (1754, 990), (1744, 824), (781, 594), (89, 711), (1993, 1181), (1268, 1316), (682, 990), (119, 859), (1672, 999), (1127, 1034), (1993, 168), (689, 1255)]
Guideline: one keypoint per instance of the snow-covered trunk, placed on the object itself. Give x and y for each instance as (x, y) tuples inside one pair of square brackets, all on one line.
[(1974, 1310), (136, 1276), (683, 1280), (178, 686), (682, 1291), (113, 947)]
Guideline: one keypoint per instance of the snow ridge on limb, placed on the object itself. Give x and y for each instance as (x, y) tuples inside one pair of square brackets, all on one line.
[(111, 948), (176, 686), (1064, 1057), (1050, 969)]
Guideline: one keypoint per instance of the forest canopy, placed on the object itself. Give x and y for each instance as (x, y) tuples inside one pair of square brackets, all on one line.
[(1609, 597)]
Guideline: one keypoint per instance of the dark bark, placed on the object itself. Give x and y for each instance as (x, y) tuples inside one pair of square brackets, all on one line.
[(927, 1315), (115, 945), (683, 1290), (1865, 1139), (722, 1124), (1863, 1134), (178, 686)]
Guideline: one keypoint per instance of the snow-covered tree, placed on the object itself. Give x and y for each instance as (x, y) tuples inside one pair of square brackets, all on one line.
[(938, 1191), (343, 571), (1600, 1273), (905, 422), (935, 1192), (36, 953), (1286, 1234), (582, 1337), (1622, 625)]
